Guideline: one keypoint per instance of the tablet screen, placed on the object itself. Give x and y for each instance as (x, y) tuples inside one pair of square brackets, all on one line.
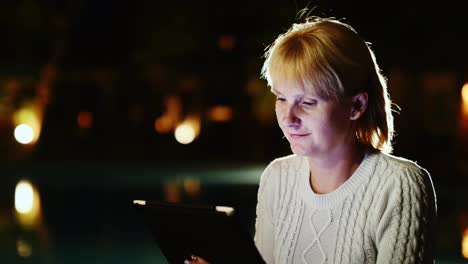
[(214, 233)]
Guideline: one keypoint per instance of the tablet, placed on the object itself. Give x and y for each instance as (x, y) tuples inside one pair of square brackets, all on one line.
[(214, 233)]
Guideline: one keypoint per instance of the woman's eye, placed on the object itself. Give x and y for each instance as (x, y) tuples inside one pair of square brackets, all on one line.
[(280, 99), (309, 103)]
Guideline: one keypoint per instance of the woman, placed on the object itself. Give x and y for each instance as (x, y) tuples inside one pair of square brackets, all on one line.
[(341, 197)]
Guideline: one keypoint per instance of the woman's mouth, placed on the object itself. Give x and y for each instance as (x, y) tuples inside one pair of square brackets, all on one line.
[(298, 135)]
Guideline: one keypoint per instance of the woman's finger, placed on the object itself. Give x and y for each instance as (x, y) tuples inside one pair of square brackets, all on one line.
[(195, 260)]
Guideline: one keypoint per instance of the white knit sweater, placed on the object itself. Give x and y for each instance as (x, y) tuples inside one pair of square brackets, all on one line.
[(384, 213)]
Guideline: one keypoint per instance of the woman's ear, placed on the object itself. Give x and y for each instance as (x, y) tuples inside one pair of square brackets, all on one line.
[(359, 105)]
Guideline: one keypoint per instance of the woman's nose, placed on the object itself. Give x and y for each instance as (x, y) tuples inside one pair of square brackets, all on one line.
[(292, 120)]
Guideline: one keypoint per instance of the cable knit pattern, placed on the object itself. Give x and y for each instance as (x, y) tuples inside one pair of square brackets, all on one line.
[(384, 213), (317, 235)]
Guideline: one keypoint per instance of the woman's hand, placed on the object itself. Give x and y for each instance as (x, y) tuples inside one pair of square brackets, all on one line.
[(195, 260)]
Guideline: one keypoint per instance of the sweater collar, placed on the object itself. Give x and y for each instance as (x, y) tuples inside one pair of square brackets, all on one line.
[(350, 186)]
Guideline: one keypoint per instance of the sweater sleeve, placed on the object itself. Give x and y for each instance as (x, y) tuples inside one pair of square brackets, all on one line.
[(406, 218), (264, 225)]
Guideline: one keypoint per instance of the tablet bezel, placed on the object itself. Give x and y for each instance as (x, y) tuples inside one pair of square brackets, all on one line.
[(212, 232)]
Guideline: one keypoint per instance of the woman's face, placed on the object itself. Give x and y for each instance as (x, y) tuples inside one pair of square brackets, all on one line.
[(313, 126)]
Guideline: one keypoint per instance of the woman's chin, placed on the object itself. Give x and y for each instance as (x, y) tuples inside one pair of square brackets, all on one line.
[(299, 150)]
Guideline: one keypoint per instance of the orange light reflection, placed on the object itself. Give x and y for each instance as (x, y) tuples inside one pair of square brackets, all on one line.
[(220, 113), (163, 124), (166, 122), (465, 243), (226, 42), (171, 192), (192, 186), (85, 119), (28, 205), (464, 95)]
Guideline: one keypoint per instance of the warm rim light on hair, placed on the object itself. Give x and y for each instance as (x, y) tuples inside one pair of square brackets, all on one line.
[(328, 57)]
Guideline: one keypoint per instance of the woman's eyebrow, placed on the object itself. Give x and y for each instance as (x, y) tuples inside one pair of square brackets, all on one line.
[(275, 91)]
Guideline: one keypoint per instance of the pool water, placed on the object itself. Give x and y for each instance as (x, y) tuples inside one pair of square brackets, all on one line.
[(86, 214)]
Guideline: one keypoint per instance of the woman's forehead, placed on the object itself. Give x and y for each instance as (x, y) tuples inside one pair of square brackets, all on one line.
[(293, 87)]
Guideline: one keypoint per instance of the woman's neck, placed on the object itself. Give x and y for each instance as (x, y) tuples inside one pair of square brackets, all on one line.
[(330, 172)]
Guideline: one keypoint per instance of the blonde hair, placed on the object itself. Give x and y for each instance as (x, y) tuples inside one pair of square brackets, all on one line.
[(328, 56)]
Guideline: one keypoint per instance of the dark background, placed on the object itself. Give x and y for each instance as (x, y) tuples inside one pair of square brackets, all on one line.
[(118, 60)]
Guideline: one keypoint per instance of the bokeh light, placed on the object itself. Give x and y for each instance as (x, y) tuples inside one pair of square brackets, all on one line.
[(85, 119), (27, 205), (166, 122), (187, 131), (465, 243), (163, 124), (31, 116), (192, 186), (171, 192), (464, 95), (24, 134), (220, 113), (24, 196), (23, 248), (185, 134), (226, 42)]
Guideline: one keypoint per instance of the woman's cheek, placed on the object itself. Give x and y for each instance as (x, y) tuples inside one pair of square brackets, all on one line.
[(278, 115)]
